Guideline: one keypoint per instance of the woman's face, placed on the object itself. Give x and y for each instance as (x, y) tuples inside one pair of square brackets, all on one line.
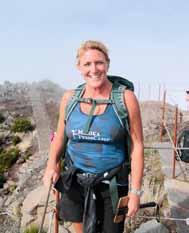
[(93, 67)]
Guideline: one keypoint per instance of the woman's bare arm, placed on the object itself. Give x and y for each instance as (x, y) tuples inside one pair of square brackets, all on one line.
[(137, 149)]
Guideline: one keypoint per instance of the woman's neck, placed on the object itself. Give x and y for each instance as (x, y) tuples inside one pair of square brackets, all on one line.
[(99, 92)]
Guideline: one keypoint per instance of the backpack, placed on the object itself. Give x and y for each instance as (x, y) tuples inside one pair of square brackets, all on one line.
[(116, 99), (183, 141)]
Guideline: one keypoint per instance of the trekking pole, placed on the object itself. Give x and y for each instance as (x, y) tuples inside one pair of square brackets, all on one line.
[(46, 204), (56, 212)]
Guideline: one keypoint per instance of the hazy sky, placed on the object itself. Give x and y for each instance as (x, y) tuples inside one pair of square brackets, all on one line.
[(148, 41)]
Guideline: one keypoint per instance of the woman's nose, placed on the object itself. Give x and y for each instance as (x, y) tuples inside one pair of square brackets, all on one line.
[(93, 67)]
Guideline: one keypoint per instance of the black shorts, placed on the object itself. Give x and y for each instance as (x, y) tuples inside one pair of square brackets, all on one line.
[(71, 207)]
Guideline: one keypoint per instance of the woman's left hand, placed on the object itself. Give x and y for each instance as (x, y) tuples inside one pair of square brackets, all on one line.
[(133, 204)]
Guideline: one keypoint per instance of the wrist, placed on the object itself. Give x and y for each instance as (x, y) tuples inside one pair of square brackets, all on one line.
[(51, 164), (137, 192)]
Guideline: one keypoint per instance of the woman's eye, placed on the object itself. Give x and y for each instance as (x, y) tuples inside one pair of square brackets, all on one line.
[(100, 63), (87, 64)]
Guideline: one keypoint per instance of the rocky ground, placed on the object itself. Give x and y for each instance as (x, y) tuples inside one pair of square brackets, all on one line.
[(34, 202), (153, 186)]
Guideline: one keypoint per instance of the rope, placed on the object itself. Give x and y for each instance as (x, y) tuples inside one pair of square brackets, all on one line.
[(165, 218), (169, 135), (166, 148)]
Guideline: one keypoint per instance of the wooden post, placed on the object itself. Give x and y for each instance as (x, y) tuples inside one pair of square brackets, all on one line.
[(175, 140), (163, 116)]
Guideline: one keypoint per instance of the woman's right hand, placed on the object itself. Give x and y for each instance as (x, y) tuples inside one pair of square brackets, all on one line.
[(51, 174)]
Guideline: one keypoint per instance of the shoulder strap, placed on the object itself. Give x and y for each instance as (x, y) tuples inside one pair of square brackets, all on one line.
[(119, 85), (117, 95), (78, 92), (77, 97), (69, 108)]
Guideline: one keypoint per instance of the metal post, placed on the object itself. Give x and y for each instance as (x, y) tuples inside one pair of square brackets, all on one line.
[(163, 116), (181, 117), (175, 140)]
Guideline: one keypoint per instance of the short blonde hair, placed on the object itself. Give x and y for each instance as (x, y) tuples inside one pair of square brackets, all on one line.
[(92, 44)]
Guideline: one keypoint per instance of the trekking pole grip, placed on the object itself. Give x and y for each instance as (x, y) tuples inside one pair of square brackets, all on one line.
[(148, 204)]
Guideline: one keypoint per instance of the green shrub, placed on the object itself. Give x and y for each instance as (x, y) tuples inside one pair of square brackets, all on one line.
[(2, 180), (22, 125), (8, 158), (33, 229), (16, 139), (2, 118)]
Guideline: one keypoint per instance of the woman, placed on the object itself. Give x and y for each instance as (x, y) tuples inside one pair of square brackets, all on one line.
[(90, 152)]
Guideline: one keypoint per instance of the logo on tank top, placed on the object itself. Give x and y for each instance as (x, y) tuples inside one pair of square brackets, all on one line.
[(78, 134)]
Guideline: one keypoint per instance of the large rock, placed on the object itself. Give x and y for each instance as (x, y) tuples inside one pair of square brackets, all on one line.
[(34, 201), (178, 197), (33, 209), (152, 227)]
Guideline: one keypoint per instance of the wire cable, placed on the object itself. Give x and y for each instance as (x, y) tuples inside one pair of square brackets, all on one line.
[(165, 218), (176, 151)]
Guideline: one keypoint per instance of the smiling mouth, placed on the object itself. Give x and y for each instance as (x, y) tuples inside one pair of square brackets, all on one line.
[(95, 77)]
